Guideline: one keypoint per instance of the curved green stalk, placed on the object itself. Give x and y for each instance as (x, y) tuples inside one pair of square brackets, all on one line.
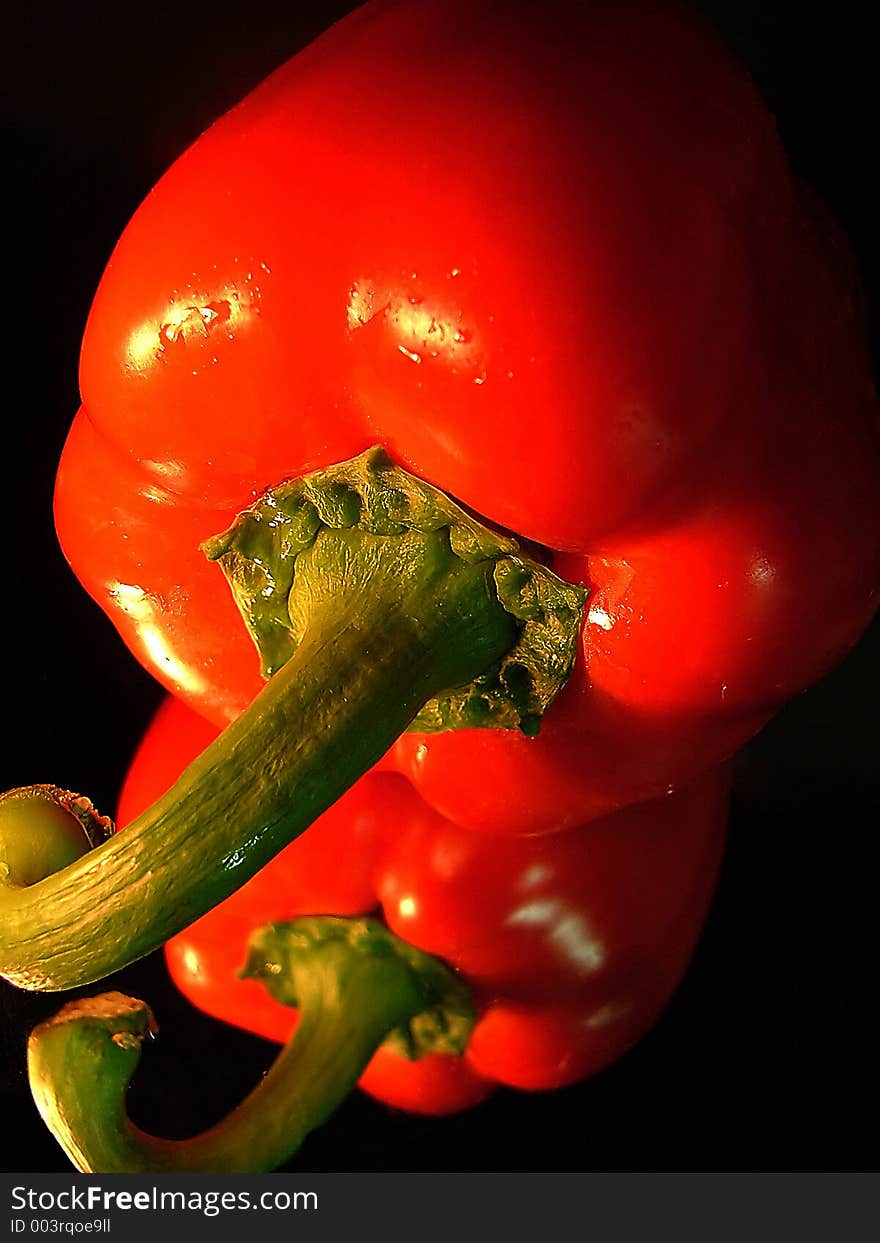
[(381, 603), (355, 984)]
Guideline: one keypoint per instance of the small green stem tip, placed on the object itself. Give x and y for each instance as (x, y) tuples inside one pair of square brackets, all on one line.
[(377, 604), (356, 985), (44, 828)]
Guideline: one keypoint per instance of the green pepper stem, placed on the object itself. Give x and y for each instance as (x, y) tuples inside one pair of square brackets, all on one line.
[(360, 675), (393, 598), (354, 983)]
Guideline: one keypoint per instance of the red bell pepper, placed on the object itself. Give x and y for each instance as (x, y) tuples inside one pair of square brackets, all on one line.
[(565, 949), (572, 944), (604, 317)]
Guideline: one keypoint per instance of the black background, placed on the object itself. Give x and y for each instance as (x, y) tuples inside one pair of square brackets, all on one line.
[(766, 1060)]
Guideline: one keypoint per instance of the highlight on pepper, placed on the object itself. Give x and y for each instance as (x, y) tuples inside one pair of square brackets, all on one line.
[(462, 519)]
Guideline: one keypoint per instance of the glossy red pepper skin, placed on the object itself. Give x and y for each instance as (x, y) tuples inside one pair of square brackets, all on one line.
[(552, 257), (572, 943)]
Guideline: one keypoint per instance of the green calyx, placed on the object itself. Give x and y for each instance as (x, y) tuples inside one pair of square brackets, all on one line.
[(285, 957), (381, 606), (356, 985), (274, 550)]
